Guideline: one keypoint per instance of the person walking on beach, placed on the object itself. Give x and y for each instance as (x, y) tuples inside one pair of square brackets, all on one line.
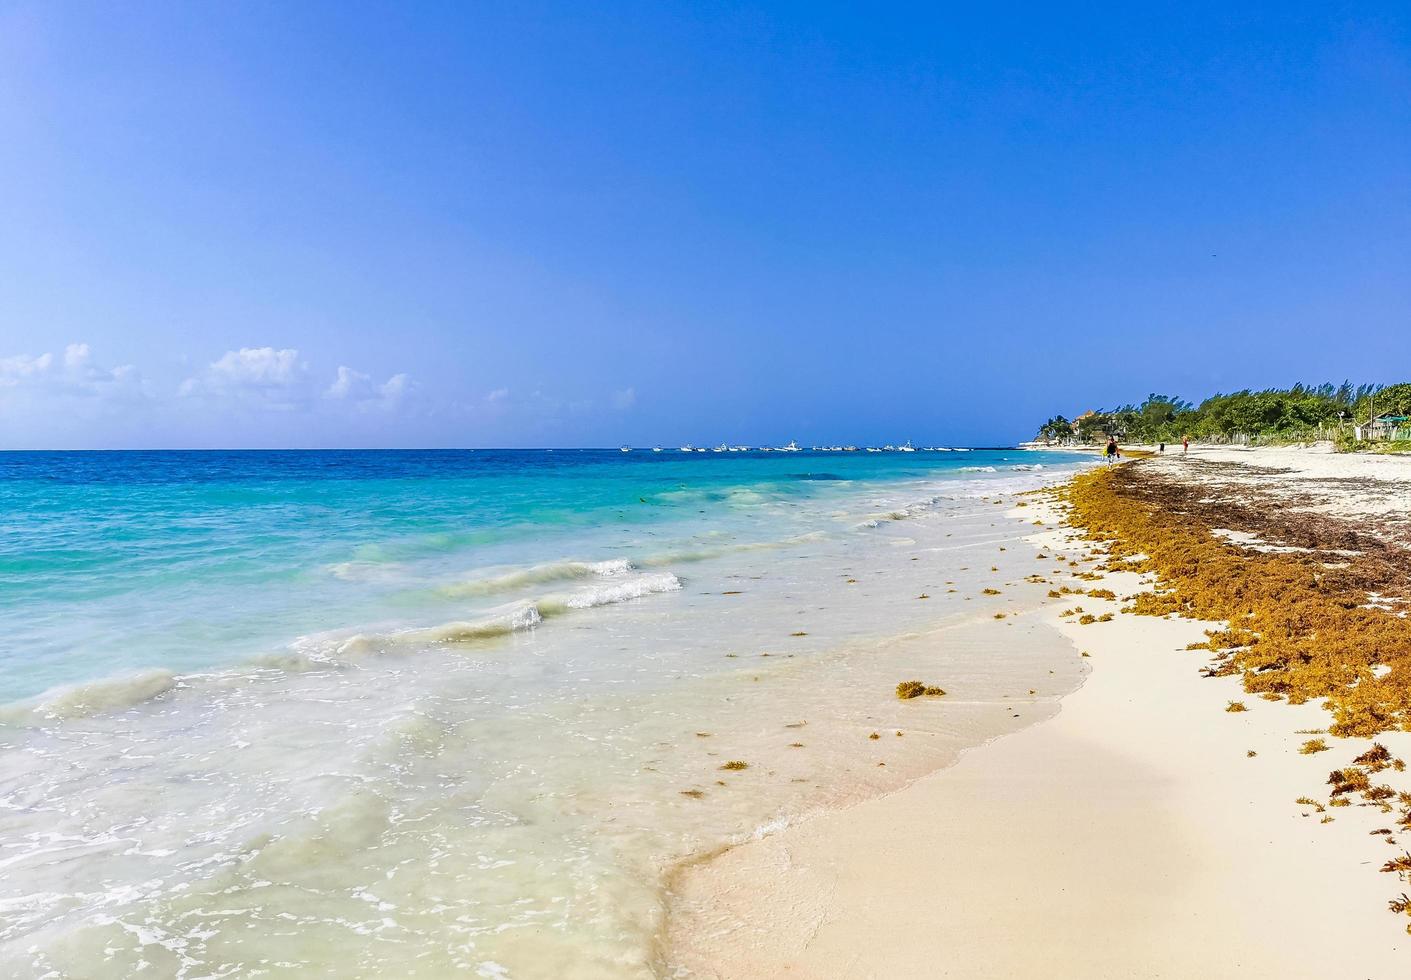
[(1112, 451), (1186, 444)]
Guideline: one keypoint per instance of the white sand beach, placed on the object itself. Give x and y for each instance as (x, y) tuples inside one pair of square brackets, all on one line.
[(1142, 832)]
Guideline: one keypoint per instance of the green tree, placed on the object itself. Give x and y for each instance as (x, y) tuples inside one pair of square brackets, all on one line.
[(1056, 429)]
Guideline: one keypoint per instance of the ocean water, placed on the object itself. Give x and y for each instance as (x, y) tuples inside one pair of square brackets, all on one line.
[(462, 713)]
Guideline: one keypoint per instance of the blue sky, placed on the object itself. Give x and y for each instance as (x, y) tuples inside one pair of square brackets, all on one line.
[(358, 224)]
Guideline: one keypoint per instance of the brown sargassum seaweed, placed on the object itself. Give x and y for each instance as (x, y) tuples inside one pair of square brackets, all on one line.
[(1299, 624)]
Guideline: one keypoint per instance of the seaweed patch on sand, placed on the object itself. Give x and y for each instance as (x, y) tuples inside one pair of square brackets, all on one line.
[(1301, 600), (1305, 630)]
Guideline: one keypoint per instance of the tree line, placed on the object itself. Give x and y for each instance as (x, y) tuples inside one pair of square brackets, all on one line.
[(1271, 412)]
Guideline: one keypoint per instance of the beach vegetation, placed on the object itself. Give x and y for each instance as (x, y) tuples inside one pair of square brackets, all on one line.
[(1313, 745), (1300, 411), (1236, 706)]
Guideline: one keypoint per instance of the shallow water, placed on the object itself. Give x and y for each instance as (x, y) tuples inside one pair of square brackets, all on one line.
[(424, 714)]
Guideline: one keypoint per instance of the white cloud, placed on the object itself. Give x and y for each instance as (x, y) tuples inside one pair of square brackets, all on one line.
[(255, 370), (395, 387), (348, 383), (76, 357), (498, 395), (73, 374), (21, 368), (624, 399), (359, 388)]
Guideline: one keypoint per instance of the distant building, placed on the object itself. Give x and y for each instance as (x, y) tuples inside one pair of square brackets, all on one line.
[(1384, 426)]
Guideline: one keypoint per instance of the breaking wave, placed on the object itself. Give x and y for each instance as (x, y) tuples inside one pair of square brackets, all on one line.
[(333, 650), (911, 510), (95, 697), (558, 571), (516, 618)]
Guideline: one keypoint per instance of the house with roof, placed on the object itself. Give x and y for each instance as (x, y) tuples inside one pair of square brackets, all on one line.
[(1384, 426)]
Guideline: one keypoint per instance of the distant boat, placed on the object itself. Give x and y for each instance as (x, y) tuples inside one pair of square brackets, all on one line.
[(624, 449), (722, 448), (688, 448), (907, 447), (656, 449), (792, 447)]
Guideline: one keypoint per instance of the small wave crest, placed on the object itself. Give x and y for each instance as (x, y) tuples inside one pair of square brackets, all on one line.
[(608, 594), (95, 697), (914, 509), (557, 571), (323, 651), (516, 618)]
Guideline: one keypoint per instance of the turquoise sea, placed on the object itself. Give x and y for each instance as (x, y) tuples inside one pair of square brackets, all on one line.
[(443, 713)]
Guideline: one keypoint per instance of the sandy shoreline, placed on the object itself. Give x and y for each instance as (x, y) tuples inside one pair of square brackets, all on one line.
[(1130, 835)]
